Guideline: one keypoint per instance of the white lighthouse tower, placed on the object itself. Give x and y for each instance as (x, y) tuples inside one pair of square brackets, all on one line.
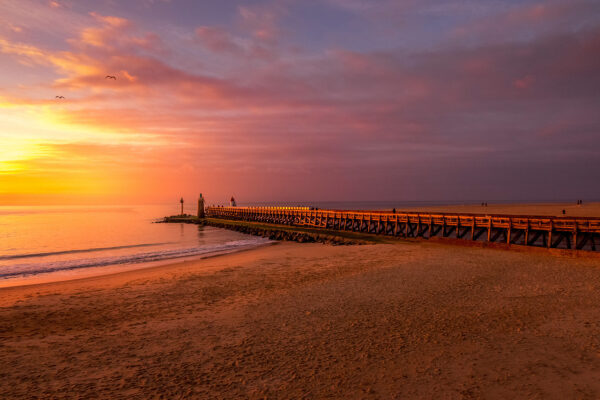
[(200, 206)]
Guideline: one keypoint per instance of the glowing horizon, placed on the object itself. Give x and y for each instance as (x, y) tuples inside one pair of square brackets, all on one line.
[(334, 99)]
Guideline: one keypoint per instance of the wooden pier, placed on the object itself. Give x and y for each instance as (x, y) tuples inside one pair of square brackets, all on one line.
[(571, 233)]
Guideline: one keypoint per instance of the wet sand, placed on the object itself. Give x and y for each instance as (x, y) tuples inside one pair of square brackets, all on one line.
[(294, 321)]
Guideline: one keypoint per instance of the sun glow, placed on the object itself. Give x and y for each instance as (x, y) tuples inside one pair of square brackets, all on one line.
[(41, 156), (16, 152)]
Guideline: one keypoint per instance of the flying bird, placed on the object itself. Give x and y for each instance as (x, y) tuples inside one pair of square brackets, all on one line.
[(59, 97), (110, 77)]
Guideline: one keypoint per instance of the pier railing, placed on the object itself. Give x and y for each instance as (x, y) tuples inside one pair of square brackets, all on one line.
[(543, 231)]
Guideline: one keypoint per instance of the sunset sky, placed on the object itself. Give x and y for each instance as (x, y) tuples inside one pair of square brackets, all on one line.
[(298, 100)]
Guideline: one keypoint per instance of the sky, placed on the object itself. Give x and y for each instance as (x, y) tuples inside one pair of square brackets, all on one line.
[(298, 100)]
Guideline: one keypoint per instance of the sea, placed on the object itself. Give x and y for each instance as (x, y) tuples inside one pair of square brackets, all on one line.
[(65, 242)]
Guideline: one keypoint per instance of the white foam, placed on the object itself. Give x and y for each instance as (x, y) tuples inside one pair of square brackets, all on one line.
[(28, 269)]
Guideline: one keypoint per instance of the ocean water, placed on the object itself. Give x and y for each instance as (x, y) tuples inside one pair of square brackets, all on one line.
[(70, 240), (66, 240)]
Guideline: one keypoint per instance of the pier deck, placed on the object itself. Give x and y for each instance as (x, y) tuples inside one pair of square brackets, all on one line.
[(573, 233)]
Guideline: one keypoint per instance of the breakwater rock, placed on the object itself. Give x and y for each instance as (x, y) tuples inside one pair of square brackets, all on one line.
[(287, 234), (185, 219)]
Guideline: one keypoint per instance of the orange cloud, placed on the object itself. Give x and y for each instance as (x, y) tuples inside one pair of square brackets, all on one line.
[(15, 28)]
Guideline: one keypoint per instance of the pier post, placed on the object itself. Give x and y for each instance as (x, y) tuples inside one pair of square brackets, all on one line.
[(472, 227), (430, 225)]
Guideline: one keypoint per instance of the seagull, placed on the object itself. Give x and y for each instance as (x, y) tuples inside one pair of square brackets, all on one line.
[(110, 77), (59, 97)]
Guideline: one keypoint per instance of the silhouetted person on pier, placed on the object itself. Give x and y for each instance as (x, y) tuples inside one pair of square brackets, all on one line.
[(393, 211)]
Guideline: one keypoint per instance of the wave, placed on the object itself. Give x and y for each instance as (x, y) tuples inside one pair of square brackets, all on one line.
[(54, 253), (66, 265)]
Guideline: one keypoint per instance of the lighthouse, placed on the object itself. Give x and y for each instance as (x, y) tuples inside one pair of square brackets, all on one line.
[(200, 206), (232, 202)]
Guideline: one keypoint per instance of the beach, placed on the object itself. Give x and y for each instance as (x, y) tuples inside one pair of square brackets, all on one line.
[(307, 321), (299, 200)]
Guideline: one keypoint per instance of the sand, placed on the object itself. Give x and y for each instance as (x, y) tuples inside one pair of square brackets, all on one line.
[(591, 209), (311, 321)]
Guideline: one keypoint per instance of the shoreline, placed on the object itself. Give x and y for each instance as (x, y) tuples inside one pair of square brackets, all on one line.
[(201, 265), (95, 273), (345, 237), (588, 209), (99, 271)]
